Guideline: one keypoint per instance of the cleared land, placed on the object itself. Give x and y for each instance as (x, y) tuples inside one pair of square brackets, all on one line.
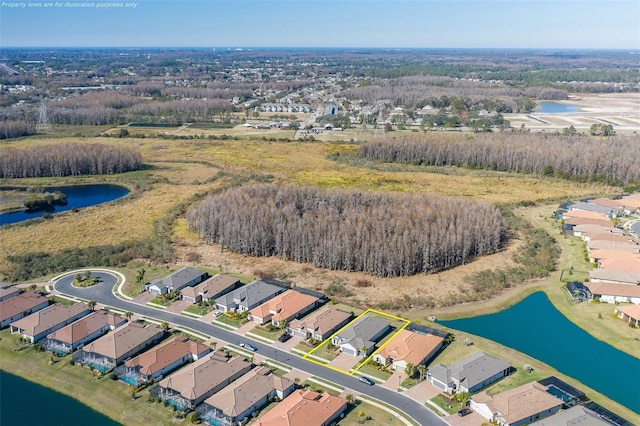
[(621, 110)]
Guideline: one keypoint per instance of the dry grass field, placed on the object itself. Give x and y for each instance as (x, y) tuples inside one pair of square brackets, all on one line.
[(182, 169)]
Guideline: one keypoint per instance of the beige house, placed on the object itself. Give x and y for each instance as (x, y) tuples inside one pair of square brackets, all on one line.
[(188, 387), (515, 407), (408, 347), (72, 336), (36, 326), (210, 288), (20, 306), (320, 325), (630, 314), (304, 408), (284, 307), (236, 402), (164, 358), (114, 348)]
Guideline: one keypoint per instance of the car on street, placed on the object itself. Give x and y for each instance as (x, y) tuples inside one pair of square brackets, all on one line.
[(250, 347), (465, 411), (366, 380), (283, 338)]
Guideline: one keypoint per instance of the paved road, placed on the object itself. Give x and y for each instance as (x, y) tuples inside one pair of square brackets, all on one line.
[(102, 293)]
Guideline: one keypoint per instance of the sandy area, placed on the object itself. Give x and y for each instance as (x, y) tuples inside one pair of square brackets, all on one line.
[(621, 110)]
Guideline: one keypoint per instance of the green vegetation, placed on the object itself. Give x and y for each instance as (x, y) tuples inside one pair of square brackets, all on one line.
[(85, 280), (106, 396)]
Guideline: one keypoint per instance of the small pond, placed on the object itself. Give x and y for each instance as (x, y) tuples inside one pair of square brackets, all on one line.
[(555, 108), (78, 196)]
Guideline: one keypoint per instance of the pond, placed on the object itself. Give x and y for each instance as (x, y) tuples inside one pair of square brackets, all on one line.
[(27, 403), (536, 328), (78, 196), (555, 108)]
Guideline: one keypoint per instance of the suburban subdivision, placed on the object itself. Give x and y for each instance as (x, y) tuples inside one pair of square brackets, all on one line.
[(293, 236)]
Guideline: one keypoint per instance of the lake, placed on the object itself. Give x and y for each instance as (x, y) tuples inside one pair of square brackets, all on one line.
[(555, 108), (536, 328), (78, 196), (25, 403)]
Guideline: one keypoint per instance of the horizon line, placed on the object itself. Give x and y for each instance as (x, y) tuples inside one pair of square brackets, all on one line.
[(241, 48)]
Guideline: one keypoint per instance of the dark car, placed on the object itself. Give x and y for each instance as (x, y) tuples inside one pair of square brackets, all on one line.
[(366, 380), (284, 337), (465, 411), (250, 347)]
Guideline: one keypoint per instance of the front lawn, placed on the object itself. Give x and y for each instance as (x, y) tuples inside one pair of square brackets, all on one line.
[(449, 407), (372, 371), (326, 351), (266, 333), (196, 310)]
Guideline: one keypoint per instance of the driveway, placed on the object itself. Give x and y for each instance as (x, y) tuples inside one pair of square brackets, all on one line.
[(143, 298), (473, 419), (178, 306), (345, 362)]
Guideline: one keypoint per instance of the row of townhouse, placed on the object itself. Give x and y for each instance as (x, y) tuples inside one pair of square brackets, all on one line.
[(615, 253)]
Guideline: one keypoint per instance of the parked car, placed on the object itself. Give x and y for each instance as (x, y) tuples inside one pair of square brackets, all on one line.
[(366, 380), (217, 314), (283, 338), (465, 411)]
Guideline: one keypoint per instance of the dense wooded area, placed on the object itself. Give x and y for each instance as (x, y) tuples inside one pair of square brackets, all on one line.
[(379, 233), (67, 160), (615, 160)]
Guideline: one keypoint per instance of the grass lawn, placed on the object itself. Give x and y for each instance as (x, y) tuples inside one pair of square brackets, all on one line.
[(262, 331), (323, 351), (109, 397), (319, 388), (449, 408), (378, 415), (194, 309), (370, 371), (303, 347), (235, 322)]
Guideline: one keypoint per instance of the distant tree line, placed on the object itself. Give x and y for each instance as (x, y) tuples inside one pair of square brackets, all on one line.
[(15, 128), (67, 160), (615, 160), (380, 233)]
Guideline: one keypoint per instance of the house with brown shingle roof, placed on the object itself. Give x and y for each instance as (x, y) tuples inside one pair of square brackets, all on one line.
[(284, 307), (36, 326), (515, 407), (210, 288), (188, 387), (114, 348), (304, 408), (8, 291), (164, 358), (20, 306), (408, 347), (72, 336), (612, 292), (629, 313), (251, 392), (319, 326), (614, 276)]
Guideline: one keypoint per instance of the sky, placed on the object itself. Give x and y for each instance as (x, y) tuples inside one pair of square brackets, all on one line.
[(557, 24)]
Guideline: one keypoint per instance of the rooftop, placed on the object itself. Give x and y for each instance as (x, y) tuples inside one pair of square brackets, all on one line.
[(165, 354), (410, 347), (48, 317), (285, 305), (211, 286), (82, 328), (20, 303), (249, 294), (124, 339), (303, 408)]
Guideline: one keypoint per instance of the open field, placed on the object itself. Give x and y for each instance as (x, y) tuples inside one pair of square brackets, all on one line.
[(620, 110)]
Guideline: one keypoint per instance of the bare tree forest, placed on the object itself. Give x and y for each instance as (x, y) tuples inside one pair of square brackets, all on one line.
[(614, 160), (383, 234), (15, 128), (67, 160)]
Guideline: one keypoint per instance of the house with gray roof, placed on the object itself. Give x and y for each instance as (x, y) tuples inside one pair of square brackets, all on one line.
[(596, 208), (249, 296), (360, 338), (185, 277), (576, 415), (470, 374)]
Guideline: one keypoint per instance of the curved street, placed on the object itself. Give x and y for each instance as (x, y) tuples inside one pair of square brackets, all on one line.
[(103, 293)]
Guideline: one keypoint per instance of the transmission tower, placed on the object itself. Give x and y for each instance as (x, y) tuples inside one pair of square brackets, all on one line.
[(43, 125)]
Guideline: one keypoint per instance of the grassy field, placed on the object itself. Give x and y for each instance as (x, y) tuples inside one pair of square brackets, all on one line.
[(109, 397)]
